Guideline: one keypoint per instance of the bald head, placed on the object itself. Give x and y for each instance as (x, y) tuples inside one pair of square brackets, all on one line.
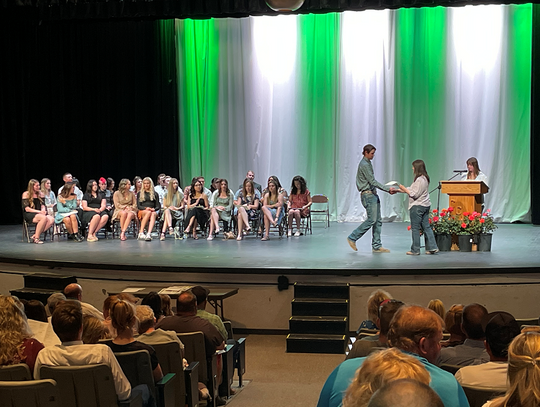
[(471, 321), (405, 393), (186, 304), (73, 291)]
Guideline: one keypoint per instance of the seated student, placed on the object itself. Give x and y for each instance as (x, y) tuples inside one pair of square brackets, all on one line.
[(35, 210), (136, 186), (16, 342), (198, 208), (160, 187), (373, 303), (221, 208), (251, 176), (125, 206), (67, 212), (94, 210), (247, 203), (123, 320), (173, 206), (273, 210), (282, 191), (380, 368), (298, 204), (48, 195), (67, 177), (102, 184), (452, 322), (67, 321), (149, 207), (110, 185)]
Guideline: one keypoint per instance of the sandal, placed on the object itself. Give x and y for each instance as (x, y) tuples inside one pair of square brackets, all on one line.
[(123, 236), (264, 239), (36, 240), (195, 237), (239, 237), (162, 236), (171, 231)]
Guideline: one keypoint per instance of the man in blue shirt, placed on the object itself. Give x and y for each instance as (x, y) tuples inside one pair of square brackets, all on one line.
[(367, 186), (416, 331)]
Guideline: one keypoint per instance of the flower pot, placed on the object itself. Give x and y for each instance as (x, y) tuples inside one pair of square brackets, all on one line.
[(484, 242), (444, 242), (465, 243)]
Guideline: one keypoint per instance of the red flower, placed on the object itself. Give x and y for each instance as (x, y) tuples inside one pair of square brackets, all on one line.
[(478, 214), (488, 211), (450, 209), (482, 220), (443, 213), (471, 217), (435, 218), (409, 227), (485, 214), (463, 225), (466, 213), (435, 211), (474, 213), (429, 220)]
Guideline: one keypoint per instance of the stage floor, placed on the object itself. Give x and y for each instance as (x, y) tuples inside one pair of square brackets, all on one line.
[(326, 252)]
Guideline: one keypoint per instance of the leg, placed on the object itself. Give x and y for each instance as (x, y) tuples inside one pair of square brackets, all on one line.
[(291, 211), (190, 225), (213, 221), (194, 227), (144, 221), (240, 222), (167, 220), (431, 244), (377, 227), (67, 222), (102, 222), (152, 222), (371, 212), (93, 226), (297, 216), (74, 223), (415, 214), (40, 221)]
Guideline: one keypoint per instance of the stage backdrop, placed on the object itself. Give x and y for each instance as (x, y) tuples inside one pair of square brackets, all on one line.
[(302, 94)]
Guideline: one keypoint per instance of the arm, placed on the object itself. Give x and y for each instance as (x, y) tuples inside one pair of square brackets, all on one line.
[(103, 205), (308, 200), (229, 206), (365, 172), (280, 207), (116, 201), (213, 198), (205, 199), (139, 203)]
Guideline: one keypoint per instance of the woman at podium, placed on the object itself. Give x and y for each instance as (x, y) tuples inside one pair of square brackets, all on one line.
[(473, 172)]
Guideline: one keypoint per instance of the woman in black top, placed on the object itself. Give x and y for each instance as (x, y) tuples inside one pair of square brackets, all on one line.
[(198, 209), (148, 206), (94, 213), (35, 211)]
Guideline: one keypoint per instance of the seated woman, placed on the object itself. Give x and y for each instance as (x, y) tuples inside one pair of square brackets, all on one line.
[(67, 211), (373, 303), (123, 320), (282, 191), (48, 195), (299, 203), (222, 204), (94, 210), (125, 206), (93, 330), (102, 184), (149, 207), (198, 207), (452, 322), (16, 342), (35, 210), (173, 206), (247, 203), (137, 185), (272, 208), (110, 185)]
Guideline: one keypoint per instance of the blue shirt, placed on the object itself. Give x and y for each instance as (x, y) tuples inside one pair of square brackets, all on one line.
[(444, 384)]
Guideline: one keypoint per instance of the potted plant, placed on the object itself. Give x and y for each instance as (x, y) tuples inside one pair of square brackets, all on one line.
[(470, 225), (443, 225), (486, 233)]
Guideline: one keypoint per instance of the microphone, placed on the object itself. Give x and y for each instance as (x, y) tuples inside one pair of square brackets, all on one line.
[(460, 170)]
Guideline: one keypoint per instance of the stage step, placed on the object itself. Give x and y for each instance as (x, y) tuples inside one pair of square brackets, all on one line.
[(318, 324), (320, 307), (48, 281), (316, 343), (321, 290), (28, 293)]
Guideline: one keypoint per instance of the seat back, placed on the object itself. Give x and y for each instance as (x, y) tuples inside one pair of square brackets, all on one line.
[(228, 328), (320, 206), (29, 393), (477, 396), (195, 351), (169, 355), (450, 368), (83, 386), (16, 372), (137, 367)]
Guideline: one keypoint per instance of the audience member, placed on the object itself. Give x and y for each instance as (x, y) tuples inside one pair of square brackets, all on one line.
[(147, 328), (282, 191), (452, 322), (201, 294), (52, 301), (405, 393), (94, 207), (93, 330), (523, 373), (68, 212), (16, 342), (374, 301), (149, 206), (125, 206), (74, 292), (416, 331), (35, 210), (110, 185), (34, 309), (153, 300), (298, 204), (437, 306), (473, 351), (365, 345), (136, 186), (222, 204), (166, 305), (173, 206), (380, 368), (67, 322), (500, 328)]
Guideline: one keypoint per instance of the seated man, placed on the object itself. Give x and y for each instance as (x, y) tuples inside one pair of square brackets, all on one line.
[(251, 176), (202, 298), (501, 328), (472, 352), (364, 346), (405, 393), (74, 292), (147, 329), (67, 321), (416, 331)]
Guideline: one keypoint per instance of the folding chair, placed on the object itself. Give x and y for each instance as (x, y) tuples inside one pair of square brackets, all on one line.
[(321, 201)]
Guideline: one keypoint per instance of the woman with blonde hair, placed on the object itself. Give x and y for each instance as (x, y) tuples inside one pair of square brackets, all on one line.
[(68, 211), (149, 206), (452, 322), (173, 205), (247, 204), (373, 303), (437, 306), (125, 206), (523, 373), (93, 330), (48, 195), (16, 342), (166, 305), (380, 368), (35, 211)]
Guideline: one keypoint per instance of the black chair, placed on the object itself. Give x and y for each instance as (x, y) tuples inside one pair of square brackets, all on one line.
[(450, 368), (477, 396), (29, 393), (18, 372)]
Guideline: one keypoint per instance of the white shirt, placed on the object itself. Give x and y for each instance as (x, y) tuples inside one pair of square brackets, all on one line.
[(77, 354), (89, 309), (490, 375), (480, 177), (418, 192), (160, 336), (161, 191)]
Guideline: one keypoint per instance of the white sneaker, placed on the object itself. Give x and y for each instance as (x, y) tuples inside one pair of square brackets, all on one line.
[(289, 233), (211, 237), (297, 234), (142, 236), (148, 237)]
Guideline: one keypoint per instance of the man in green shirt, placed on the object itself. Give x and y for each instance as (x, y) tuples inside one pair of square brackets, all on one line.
[(367, 186)]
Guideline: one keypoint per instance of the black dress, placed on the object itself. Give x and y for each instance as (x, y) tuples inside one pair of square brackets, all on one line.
[(92, 203), (199, 213), (29, 216)]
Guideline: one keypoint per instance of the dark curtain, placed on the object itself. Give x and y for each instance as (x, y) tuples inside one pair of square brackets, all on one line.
[(91, 98)]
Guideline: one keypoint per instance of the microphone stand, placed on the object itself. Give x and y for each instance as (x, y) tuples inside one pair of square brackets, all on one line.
[(440, 186)]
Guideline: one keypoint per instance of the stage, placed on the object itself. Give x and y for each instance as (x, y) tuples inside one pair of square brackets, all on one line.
[(326, 252)]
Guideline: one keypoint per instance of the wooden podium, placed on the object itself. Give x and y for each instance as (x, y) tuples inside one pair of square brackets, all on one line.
[(464, 196)]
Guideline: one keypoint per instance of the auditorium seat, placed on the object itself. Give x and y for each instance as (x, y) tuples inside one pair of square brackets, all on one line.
[(18, 372), (29, 393), (477, 396)]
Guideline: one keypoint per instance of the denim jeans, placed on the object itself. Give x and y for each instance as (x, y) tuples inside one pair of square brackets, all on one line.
[(420, 220), (372, 204)]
